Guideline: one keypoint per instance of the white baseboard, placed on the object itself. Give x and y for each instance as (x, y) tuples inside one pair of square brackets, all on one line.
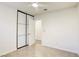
[(63, 49), (7, 52)]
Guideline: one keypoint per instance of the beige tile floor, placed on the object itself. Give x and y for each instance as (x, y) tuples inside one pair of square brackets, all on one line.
[(37, 50)]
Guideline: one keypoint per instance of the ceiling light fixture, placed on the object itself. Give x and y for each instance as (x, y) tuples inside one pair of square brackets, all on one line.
[(35, 5)]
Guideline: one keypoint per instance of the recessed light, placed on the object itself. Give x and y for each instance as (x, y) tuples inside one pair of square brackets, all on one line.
[(35, 5), (45, 9)]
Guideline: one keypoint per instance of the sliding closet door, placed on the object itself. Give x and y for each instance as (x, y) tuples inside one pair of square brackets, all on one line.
[(30, 30), (21, 29)]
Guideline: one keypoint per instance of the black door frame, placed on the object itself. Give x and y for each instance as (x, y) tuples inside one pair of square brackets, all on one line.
[(17, 29)]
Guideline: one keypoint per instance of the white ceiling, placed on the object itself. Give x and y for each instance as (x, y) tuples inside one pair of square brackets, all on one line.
[(51, 6)]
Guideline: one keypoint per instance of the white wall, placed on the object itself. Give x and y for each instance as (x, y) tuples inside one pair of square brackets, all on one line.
[(61, 29), (38, 29), (7, 29)]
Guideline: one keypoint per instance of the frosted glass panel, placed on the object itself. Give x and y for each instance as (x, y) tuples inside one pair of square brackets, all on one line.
[(21, 18), (30, 29), (21, 29), (21, 41)]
